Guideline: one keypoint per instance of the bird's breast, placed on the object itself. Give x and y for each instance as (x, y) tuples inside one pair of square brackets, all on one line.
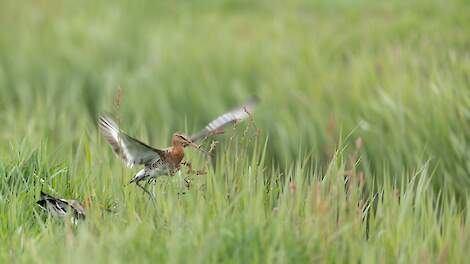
[(176, 156)]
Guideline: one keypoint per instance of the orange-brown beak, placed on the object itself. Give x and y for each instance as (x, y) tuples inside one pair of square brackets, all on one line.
[(192, 144)]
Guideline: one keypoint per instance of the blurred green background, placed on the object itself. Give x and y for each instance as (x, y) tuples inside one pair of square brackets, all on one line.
[(395, 74)]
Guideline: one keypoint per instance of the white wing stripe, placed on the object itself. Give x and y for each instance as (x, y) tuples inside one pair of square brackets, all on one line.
[(131, 150), (226, 118), (112, 130)]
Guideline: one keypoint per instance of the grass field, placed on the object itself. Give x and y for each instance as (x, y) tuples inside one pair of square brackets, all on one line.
[(374, 93)]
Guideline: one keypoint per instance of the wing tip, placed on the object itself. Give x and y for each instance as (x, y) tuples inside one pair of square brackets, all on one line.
[(107, 125), (105, 119), (251, 104)]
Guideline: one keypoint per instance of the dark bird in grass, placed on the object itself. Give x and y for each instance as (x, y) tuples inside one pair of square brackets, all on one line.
[(166, 161), (60, 207)]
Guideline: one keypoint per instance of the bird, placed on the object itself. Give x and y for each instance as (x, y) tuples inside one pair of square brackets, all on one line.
[(167, 161), (60, 207)]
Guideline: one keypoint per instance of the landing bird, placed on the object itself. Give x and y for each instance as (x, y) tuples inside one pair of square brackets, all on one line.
[(159, 162), (60, 207)]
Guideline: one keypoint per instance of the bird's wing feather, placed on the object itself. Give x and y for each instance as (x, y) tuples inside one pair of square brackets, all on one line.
[(48, 201), (230, 117), (60, 205), (131, 150)]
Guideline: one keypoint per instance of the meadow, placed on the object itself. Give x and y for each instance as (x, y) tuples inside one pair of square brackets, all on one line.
[(359, 150)]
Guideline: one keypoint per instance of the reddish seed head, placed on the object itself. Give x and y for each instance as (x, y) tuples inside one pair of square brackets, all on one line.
[(292, 186), (359, 143)]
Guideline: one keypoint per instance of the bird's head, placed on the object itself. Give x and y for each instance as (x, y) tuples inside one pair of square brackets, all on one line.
[(180, 139), (79, 210)]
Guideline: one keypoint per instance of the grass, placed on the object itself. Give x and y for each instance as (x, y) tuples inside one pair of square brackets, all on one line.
[(375, 93)]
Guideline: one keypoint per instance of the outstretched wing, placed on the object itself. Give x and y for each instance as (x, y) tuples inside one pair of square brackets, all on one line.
[(131, 150), (231, 117)]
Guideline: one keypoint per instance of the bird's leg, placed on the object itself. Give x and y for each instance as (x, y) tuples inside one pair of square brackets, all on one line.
[(200, 172), (189, 165), (147, 184), (152, 197), (152, 179), (145, 190)]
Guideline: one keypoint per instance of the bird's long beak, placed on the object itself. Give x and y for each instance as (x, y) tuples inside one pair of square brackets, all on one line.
[(194, 145)]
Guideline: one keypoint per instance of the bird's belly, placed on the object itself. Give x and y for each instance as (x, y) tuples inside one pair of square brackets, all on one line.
[(161, 167), (164, 170)]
